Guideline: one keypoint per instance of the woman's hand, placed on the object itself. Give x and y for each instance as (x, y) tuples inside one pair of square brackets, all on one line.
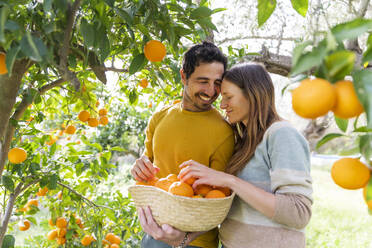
[(203, 174), (164, 233)]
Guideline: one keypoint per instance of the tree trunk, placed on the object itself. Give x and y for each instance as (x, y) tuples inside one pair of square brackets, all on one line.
[(8, 212), (9, 87)]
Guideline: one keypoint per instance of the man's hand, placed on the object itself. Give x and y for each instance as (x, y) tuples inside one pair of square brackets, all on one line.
[(143, 169), (164, 233)]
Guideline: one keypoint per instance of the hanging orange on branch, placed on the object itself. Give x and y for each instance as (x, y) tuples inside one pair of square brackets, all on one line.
[(155, 51)]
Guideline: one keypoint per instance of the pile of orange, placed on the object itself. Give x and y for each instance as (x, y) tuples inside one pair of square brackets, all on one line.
[(316, 97), (111, 241), (173, 185), (59, 233)]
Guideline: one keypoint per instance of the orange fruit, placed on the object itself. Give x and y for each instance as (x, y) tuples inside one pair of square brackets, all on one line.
[(105, 242), (181, 188), (203, 189), (42, 191), (144, 83), (112, 238), (215, 193), (369, 202), (313, 98), (141, 183), (102, 112), (61, 241), (350, 173), (52, 235), (347, 102), (3, 69), (152, 181), (164, 183), (176, 101), (114, 246), (61, 222), (150, 105), (97, 103), (155, 51), (173, 177), (70, 129), (51, 140), (197, 196), (93, 122), (61, 232), (32, 202), (51, 223), (78, 221), (87, 240), (25, 225), (60, 133), (225, 190), (17, 155), (84, 116), (103, 120), (59, 195)]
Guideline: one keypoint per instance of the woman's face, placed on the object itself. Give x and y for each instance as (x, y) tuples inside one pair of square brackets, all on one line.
[(234, 103)]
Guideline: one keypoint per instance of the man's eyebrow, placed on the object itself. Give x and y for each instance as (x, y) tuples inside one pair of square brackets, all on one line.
[(202, 78)]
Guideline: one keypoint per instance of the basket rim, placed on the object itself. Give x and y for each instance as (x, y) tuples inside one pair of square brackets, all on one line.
[(149, 187)]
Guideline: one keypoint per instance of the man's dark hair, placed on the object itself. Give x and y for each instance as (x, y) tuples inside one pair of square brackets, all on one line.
[(206, 52)]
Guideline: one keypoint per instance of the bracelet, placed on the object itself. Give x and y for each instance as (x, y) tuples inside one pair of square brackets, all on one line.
[(182, 245)]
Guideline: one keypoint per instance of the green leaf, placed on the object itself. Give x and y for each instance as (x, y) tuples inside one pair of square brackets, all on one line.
[(10, 58), (214, 11), (8, 241), (363, 129), (4, 12), (11, 25), (32, 220), (125, 15), (138, 63), (367, 55), (300, 6), (341, 123), (362, 81), (133, 97), (352, 29), (33, 47), (208, 23), (118, 148), (298, 50), (365, 146), (47, 5), (265, 9), (88, 32), (327, 138), (52, 184), (200, 12), (369, 190), (8, 183), (110, 3), (340, 64), (309, 60)]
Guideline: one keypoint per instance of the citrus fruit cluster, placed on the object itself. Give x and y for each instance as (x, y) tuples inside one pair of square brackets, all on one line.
[(173, 185), (316, 97), (111, 241), (103, 120)]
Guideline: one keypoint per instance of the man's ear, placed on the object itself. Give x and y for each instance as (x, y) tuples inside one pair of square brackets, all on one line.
[(183, 76)]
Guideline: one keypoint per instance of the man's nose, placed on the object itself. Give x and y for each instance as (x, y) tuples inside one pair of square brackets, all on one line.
[(212, 89)]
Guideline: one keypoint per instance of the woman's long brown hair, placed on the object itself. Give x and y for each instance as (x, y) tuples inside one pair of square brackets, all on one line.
[(258, 88)]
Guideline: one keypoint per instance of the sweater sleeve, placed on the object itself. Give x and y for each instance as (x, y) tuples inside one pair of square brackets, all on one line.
[(222, 154), (290, 176), (150, 129)]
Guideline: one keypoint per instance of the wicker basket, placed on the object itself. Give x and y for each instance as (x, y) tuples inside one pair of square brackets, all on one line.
[(184, 213)]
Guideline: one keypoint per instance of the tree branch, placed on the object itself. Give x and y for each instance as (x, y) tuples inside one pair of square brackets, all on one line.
[(82, 196), (116, 69), (252, 37)]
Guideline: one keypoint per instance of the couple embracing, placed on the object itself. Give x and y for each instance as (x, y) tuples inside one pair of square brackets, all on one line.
[(254, 152)]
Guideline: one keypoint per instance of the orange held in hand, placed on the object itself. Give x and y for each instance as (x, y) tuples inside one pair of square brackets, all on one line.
[(202, 189), (155, 51), (313, 98), (164, 183), (181, 188)]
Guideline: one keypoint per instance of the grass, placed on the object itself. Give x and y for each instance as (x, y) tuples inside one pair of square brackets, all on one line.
[(340, 217)]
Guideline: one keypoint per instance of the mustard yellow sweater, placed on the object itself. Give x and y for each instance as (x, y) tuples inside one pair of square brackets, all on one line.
[(175, 135)]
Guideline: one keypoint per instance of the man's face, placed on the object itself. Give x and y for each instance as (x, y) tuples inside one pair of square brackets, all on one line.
[(202, 87)]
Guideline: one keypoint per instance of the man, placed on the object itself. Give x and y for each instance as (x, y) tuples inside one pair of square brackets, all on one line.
[(192, 129)]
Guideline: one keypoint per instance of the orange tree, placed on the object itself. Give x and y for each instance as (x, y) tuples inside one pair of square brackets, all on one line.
[(335, 79), (54, 58)]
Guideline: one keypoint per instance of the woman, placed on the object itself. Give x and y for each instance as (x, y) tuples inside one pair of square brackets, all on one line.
[(269, 170)]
